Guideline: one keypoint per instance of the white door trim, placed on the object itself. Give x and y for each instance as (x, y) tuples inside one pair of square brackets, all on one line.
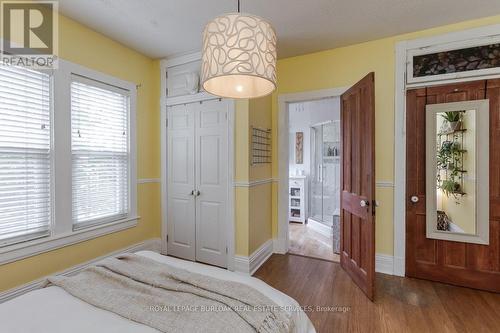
[(165, 101), (402, 48), (230, 188), (282, 240)]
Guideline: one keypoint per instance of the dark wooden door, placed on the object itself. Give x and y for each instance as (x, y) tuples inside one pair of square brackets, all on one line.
[(357, 211), (470, 265)]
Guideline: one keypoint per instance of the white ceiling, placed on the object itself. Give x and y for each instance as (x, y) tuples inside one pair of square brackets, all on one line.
[(163, 28)]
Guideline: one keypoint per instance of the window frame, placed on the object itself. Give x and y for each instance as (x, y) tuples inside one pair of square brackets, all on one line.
[(62, 231), (31, 237), (116, 89)]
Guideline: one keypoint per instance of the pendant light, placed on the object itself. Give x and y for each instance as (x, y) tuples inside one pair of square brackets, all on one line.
[(239, 56)]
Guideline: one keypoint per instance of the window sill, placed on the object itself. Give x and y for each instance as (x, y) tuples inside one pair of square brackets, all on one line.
[(37, 246)]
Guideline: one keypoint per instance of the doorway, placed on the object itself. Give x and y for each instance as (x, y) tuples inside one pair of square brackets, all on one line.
[(314, 170), (357, 177), (325, 180)]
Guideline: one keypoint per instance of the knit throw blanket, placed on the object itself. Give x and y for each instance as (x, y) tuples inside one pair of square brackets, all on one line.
[(170, 299)]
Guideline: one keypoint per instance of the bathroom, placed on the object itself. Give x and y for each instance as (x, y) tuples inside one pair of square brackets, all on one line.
[(314, 170)]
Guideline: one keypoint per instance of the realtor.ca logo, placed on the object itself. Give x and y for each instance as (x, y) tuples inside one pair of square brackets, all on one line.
[(29, 34)]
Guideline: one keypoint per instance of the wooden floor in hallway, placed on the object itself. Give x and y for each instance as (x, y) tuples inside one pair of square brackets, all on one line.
[(310, 243), (401, 304)]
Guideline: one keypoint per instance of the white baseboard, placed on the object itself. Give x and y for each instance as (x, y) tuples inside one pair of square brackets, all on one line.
[(384, 263), (251, 264), (150, 245), (399, 266), (279, 246)]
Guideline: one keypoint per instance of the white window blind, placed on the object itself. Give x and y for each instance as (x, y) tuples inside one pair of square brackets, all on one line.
[(25, 154), (100, 152)]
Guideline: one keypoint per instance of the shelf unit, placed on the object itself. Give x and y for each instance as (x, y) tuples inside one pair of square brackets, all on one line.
[(453, 137), (297, 202)]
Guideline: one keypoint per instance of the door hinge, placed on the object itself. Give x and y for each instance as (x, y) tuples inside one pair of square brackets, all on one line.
[(166, 122), (225, 114), (226, 250), (167, 238)]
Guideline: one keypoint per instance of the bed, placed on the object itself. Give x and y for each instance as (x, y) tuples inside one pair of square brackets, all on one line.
[(53, 310)]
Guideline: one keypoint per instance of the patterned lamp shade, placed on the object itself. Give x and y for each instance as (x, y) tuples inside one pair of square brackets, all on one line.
[(239, 56)]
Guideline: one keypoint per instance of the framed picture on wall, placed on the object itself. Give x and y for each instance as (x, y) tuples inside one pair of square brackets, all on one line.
[(299, 147)]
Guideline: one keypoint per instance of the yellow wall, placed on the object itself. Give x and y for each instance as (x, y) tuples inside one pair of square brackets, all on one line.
[(260, 219), (260, 196), (342, 67), (81, 45), (253, 204)]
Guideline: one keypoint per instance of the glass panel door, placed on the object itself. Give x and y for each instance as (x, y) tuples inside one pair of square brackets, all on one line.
[(316, 173), (331, 172)]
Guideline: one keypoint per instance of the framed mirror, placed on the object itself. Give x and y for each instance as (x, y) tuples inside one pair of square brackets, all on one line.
[(457, 171)]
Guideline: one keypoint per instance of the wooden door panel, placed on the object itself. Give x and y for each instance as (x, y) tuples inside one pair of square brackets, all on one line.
[(456, 92), (426, 249), (357, 242), (355, 250), (346, 220), (454, 254), (472, 265), (487, 258), (493, 94)]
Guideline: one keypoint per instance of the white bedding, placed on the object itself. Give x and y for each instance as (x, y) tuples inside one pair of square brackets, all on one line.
[(52, 310)]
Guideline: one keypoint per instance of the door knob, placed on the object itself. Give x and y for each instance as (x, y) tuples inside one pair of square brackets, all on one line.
[(192, 192), (198, 193), (414, 199), (364, 203)]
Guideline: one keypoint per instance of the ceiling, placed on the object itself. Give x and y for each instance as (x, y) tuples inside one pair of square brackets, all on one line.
[(164, 28)]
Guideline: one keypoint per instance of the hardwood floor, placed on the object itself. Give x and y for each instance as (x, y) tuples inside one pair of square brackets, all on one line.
[(401, 304), (307, 242)]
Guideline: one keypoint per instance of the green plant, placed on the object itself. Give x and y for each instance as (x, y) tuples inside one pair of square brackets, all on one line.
[(450, 187), (448, 159), (448, 155), (451, 116)]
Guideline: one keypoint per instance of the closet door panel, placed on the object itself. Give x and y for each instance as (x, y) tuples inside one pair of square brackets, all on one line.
[(212, 181), (181, 182)]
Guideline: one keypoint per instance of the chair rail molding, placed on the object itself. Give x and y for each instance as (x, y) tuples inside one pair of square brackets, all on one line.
[(252, 183), (148, 180)]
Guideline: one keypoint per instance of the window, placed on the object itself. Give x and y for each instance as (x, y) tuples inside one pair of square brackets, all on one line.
[(67, 158), (99, 151), (25, 154)]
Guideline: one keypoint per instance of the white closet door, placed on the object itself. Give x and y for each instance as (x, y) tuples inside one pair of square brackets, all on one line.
[(211, 178), (181, 182)]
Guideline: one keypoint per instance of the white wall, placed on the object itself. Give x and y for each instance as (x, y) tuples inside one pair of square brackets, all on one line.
[(304, 115)]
